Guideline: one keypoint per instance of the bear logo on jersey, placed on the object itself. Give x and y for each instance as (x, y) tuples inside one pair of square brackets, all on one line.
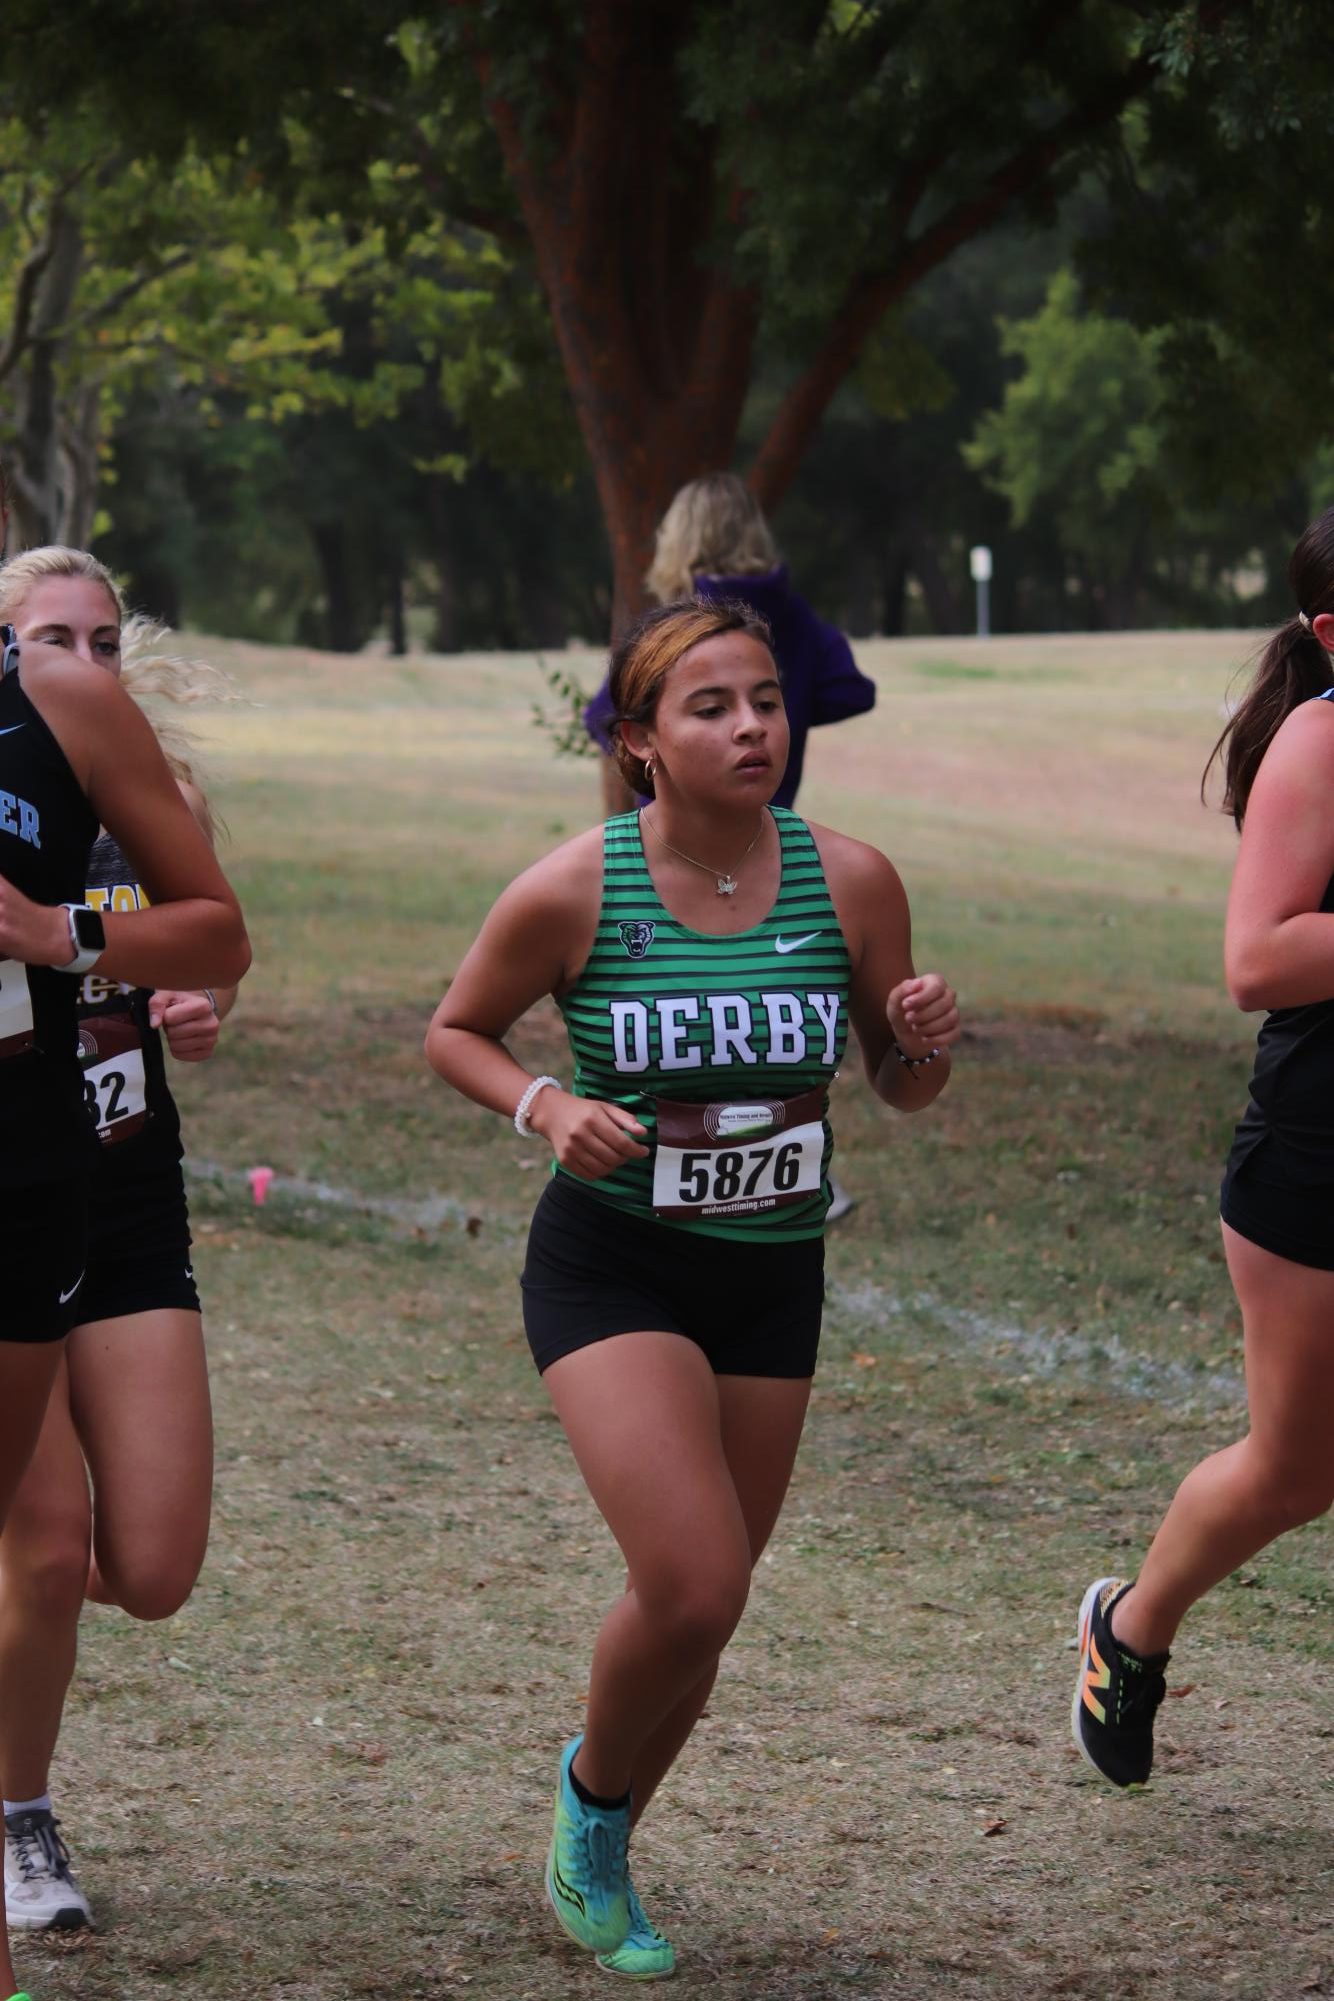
[(637, 936)]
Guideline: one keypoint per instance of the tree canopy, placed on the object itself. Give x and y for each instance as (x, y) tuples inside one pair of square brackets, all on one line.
[(588, 247)]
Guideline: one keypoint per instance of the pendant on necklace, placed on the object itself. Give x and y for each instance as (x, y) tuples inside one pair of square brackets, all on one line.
[(727, 885)]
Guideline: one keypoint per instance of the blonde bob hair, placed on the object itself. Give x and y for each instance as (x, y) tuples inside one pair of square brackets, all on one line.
[(150, 669), (647, 651), (713, 528)]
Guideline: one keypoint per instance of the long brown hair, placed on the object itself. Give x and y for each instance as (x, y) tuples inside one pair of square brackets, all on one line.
[(647, 651), (1293, 668)]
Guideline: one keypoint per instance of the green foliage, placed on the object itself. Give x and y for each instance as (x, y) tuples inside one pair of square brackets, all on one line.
[(899, 375), (564, 725), (1079, 430)]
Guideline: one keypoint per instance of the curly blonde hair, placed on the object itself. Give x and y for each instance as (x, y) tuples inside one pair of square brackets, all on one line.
[(713, 528), (150, 669)]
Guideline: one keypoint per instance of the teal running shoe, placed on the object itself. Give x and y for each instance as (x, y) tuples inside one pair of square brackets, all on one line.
[(586, 1865), (645, 1954)]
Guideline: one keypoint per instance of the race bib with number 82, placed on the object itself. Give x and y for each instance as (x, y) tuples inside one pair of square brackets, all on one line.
[(112, 1053)]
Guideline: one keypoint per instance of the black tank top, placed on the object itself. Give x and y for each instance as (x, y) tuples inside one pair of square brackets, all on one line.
[(124, 1075), (1292, 1088), (46, 831)]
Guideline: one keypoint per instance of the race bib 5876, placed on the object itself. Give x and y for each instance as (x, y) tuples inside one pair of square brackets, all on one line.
[(737, 1158)]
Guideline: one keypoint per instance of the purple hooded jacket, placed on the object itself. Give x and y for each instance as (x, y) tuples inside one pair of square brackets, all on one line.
[(821, 681)]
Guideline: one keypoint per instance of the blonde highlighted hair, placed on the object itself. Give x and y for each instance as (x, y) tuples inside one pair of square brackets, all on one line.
[(150, 668), (713, 528), (646, 653)]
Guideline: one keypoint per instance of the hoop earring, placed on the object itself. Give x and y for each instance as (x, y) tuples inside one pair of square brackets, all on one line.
[(648, 769)]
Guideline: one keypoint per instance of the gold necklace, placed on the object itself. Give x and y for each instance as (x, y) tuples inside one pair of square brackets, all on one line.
[(727, 881)]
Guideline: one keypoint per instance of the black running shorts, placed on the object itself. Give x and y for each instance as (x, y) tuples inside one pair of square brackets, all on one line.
[(138, 1242), (43, 1243), (592, 1272), (1269, 1204)]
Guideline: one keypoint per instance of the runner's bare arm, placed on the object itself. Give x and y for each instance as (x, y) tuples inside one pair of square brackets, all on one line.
[(534, 942), (190, 1017), (194, 931), (890, 1003), (1279, 944)]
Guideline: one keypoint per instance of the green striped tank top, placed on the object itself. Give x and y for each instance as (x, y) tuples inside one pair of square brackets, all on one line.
[(722, 1047)]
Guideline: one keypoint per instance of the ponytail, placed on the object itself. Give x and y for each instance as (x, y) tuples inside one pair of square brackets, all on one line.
[(1293, 667)]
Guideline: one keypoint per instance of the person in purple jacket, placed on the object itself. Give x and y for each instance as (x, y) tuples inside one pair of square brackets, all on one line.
[(714, 542)]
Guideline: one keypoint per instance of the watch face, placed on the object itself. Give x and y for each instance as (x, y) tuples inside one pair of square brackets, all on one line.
[(89, 929)]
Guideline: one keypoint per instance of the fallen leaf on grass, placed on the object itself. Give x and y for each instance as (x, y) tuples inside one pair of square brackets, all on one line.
[(1186, 1688), (995, 1826), (473, 1225), (863, 1361)]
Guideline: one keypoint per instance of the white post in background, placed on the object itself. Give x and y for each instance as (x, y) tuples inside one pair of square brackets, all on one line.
[(979, 562)]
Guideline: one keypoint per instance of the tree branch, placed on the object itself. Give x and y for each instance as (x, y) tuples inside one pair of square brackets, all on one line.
[(871, 295), (488, 222), (25, 293), (121, 296)]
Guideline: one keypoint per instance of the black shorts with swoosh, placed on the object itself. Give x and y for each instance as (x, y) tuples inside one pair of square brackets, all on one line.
[(139, 1257), (43, 1247)]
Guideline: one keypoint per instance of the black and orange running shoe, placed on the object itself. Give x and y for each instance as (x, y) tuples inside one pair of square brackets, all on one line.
[(1117, 1693)]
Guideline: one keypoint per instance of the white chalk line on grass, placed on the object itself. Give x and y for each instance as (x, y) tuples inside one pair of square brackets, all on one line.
[(428, 1214), (1100, 1359)]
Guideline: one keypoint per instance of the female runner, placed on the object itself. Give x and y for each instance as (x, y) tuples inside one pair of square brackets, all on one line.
[(75, 752), (130, 1405), (1278, 1189), (708, 955)]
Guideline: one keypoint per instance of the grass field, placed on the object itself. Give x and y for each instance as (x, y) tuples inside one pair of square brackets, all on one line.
[(328, 1777)]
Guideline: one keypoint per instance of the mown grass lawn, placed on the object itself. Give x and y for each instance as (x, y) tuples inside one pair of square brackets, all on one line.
[(328, 1777)]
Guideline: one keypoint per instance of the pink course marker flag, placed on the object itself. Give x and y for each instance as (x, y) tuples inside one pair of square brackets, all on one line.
[(259, 1179)]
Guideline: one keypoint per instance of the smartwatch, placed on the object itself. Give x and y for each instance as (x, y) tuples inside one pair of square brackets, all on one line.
[(88, 936)]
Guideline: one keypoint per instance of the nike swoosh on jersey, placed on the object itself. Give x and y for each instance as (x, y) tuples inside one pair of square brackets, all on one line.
[(12, 727), (794, 944), (65, 1297)]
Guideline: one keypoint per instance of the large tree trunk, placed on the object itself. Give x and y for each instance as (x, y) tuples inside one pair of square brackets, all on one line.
[(620, 194), (345, 631), (38, 477), (656, 343), (80, 436)]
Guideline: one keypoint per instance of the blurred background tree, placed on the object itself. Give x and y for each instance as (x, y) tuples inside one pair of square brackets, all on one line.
[(411, 325)]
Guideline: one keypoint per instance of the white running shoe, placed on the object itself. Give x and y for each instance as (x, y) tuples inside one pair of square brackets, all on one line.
[(42, 1893)]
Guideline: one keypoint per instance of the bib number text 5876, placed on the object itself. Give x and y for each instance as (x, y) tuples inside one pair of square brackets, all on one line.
[(721, 1177)]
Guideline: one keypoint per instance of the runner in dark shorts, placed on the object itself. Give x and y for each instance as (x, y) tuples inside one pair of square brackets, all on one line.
[(1278, 1191), (75, 752), (115, 1503), (709, 955)]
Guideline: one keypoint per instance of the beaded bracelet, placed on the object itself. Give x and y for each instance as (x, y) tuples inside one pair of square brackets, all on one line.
[(913, 1063), (521, 1125)]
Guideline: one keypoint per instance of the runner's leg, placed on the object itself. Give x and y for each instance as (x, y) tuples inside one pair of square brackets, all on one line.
[(140, 1401), (1280, 1475), (643, 1416), (43, 1566), (762, 1419)]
